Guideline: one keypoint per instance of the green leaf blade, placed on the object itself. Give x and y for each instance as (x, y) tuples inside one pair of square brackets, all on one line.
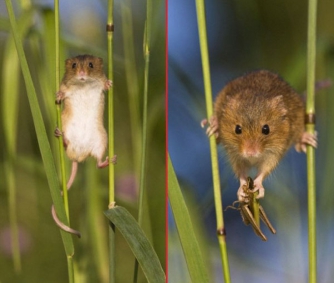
[(138, 242), (190, 246)]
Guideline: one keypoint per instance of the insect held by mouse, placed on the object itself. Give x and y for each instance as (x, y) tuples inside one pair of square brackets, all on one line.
[(82, 91), (257, 118), (247, 211)]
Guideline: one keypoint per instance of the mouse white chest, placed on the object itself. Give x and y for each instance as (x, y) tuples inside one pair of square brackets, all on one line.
[(83, 121)]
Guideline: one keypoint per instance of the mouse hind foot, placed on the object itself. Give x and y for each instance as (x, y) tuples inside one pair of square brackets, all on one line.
[(107, 161)]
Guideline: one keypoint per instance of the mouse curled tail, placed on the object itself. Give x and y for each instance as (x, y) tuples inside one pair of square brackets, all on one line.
[(60, 224)]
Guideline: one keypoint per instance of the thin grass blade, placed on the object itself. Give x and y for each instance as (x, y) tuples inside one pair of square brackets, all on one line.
[(138, 242), (191, 250), (43, 142)]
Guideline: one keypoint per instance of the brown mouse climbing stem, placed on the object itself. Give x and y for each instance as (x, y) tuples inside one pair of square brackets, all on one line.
[(257, 118), (82, 92)]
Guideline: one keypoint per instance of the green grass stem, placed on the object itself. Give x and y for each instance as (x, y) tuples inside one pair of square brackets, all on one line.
[(131, 82), (95, 222), (142, 182), (70, 266), (110, 37), (110, 33), (58, 109), (200, 8), (144, 135), (310, 111)]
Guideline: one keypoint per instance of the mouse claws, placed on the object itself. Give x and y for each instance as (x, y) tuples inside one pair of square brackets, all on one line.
[(204, 122), (113, 160), (59, 97), (107, 84), (58, 133), (213, 126), (261, 192), (242, 196), (258, 188), (307, 139)]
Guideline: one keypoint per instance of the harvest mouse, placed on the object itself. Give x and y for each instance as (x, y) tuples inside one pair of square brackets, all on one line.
[(82, 90), (257, 118)]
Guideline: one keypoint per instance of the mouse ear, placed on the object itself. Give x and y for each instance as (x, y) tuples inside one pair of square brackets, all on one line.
[(278, 103), (69, 62), (231, 103)]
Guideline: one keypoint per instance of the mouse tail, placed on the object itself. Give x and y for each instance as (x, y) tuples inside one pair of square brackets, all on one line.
[(61, 225), (73, 174)]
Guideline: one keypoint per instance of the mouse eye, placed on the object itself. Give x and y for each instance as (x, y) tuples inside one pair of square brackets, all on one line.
[(265, 130), (238, 129), (90, 65), (74, 65)]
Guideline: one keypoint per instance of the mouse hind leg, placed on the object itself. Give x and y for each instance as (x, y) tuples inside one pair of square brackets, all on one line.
[(98, 153), (106, 162)]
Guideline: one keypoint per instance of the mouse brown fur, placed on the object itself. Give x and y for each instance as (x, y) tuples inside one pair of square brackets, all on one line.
[(82, 91), (258, 117)]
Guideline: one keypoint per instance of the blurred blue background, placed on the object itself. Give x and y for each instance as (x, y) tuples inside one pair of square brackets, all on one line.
[(243, 36)]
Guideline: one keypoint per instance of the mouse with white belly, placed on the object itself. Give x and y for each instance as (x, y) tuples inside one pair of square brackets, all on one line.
[(82, 92), (257, 118)]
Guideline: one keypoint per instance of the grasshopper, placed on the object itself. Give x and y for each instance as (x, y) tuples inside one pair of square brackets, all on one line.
[(247, 210)]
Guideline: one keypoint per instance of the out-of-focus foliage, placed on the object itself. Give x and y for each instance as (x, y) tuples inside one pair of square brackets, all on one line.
[(82, 31), (243, 36)]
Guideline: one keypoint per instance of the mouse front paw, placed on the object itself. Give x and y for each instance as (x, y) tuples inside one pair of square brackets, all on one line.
[(58, 133), (212, 128), (261, 192), (59, 97), (258, 188), (307, 139), (107, 84), (242, 195)]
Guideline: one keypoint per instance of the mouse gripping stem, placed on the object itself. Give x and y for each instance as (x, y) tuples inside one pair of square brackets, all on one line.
[(252, 211)]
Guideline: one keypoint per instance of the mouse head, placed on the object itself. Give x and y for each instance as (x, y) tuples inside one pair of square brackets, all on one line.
[(252, 126), (83, 69)]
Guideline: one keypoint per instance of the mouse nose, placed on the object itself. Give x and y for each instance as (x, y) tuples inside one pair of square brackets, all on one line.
[(251, 150), (82, 73)]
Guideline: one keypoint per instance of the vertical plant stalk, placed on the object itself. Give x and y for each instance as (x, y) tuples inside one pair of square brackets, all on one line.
[(58, 108), (310, 120), (70, 266), (110, 33), (200, 8), (144, 136), (132, 82), (95, 222), (147, 42)]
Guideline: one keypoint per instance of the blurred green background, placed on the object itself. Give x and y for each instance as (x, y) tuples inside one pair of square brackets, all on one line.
[(82, 32), (244, 36)]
